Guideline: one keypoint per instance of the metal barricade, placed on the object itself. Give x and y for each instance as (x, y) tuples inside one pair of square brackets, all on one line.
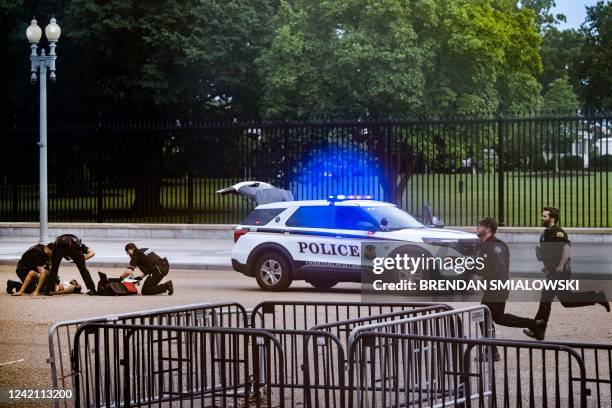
[(472, 322), (314, 369), (597, 360), (393, 370), (61, 334), (166, 366), (343, 328), (121, 365), (370, 355), (304, 315)]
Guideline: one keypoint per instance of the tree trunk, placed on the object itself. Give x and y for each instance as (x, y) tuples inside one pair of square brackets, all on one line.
[(397, 162)]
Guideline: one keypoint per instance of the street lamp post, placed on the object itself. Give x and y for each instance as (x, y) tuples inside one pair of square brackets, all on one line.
[(43, 63)]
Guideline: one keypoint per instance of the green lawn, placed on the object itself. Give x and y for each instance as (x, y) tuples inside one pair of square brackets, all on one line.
[(583, 199)]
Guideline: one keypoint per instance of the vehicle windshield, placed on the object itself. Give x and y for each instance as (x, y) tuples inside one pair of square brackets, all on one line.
[(397, 218)]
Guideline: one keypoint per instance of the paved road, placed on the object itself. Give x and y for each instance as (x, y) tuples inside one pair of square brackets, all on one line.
[(591, 259), (24, 322)]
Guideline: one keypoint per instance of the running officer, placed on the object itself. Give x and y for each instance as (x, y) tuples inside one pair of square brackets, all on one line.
[(555, 254), (496, 260)]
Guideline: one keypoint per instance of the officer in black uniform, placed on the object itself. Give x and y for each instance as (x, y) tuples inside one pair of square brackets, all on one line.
[(496, 259), (32, 261), (152, 266), (555, 252), (70, 247)]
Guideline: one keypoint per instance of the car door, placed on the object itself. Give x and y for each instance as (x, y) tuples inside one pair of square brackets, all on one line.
[(314, 240)]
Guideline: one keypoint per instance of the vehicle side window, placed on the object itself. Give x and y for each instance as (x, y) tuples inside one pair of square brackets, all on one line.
[(312, 217), (353, 218), (262, 216)]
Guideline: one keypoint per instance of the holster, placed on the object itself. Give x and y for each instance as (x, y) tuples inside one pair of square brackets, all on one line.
[(538, 252)]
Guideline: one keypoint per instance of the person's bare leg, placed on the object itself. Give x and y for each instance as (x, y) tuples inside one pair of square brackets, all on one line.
[(41, 282), (31, 275)]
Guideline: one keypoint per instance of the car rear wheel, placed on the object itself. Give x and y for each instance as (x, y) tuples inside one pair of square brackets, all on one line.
[(272, 272), (323, 284)]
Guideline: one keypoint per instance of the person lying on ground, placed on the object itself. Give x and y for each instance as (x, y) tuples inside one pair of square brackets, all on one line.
[(32, 278), (67, 287)]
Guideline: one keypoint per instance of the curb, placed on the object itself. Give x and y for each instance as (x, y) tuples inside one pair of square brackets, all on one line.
[(118, 265)]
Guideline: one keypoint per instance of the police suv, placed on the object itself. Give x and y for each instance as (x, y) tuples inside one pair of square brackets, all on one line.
[(320, 241)]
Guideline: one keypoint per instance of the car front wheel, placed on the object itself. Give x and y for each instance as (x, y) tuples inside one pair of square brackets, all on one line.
[(272, 272)]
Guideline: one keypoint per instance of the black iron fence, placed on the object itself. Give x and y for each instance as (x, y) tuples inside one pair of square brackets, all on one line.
[(465, 169)]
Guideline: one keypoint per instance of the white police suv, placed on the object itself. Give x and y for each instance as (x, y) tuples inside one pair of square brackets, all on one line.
[(321, 241)]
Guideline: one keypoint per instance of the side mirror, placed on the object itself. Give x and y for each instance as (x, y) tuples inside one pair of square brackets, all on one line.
[(437, 223), (384, 222)]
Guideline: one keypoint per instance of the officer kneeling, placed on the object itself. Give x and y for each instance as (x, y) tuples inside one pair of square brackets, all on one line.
[(152, 266)]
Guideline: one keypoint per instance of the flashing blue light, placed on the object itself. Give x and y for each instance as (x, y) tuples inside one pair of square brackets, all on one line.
[(335, 169), (342, 197)]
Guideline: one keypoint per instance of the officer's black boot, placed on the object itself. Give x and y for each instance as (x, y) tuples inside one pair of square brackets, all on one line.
[(602, 300), (170, 287), (538, 331), (12, 286)]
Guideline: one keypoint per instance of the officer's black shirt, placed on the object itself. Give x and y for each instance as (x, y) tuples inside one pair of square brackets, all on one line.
[(496, 259), (33, 258), (69, 240), (144, 259), (552, 242)]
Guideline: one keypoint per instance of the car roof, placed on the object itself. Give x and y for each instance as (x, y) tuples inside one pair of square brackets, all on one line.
[(312, 203)]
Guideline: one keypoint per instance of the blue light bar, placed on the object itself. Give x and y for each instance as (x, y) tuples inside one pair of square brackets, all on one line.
[(343, 197)]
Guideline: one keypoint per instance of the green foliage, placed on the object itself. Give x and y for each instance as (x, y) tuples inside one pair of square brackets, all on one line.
[(572, 163), (367, 58), (538, 163), (561, 97), (594, 70), (140, 58), (544, 18), (364, 58), (560, 51), (602, 162), (181, 53)]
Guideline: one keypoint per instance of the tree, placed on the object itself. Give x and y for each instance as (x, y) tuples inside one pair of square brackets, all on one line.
[(173, 55), (180, 58), (391, 59), (560, 96), (560, 50), (594, 67), (545, 20)]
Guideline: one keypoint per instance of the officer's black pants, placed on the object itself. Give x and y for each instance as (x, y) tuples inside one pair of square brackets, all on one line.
[(506, 319), (151, 284), (567, 299), (79, 260)]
